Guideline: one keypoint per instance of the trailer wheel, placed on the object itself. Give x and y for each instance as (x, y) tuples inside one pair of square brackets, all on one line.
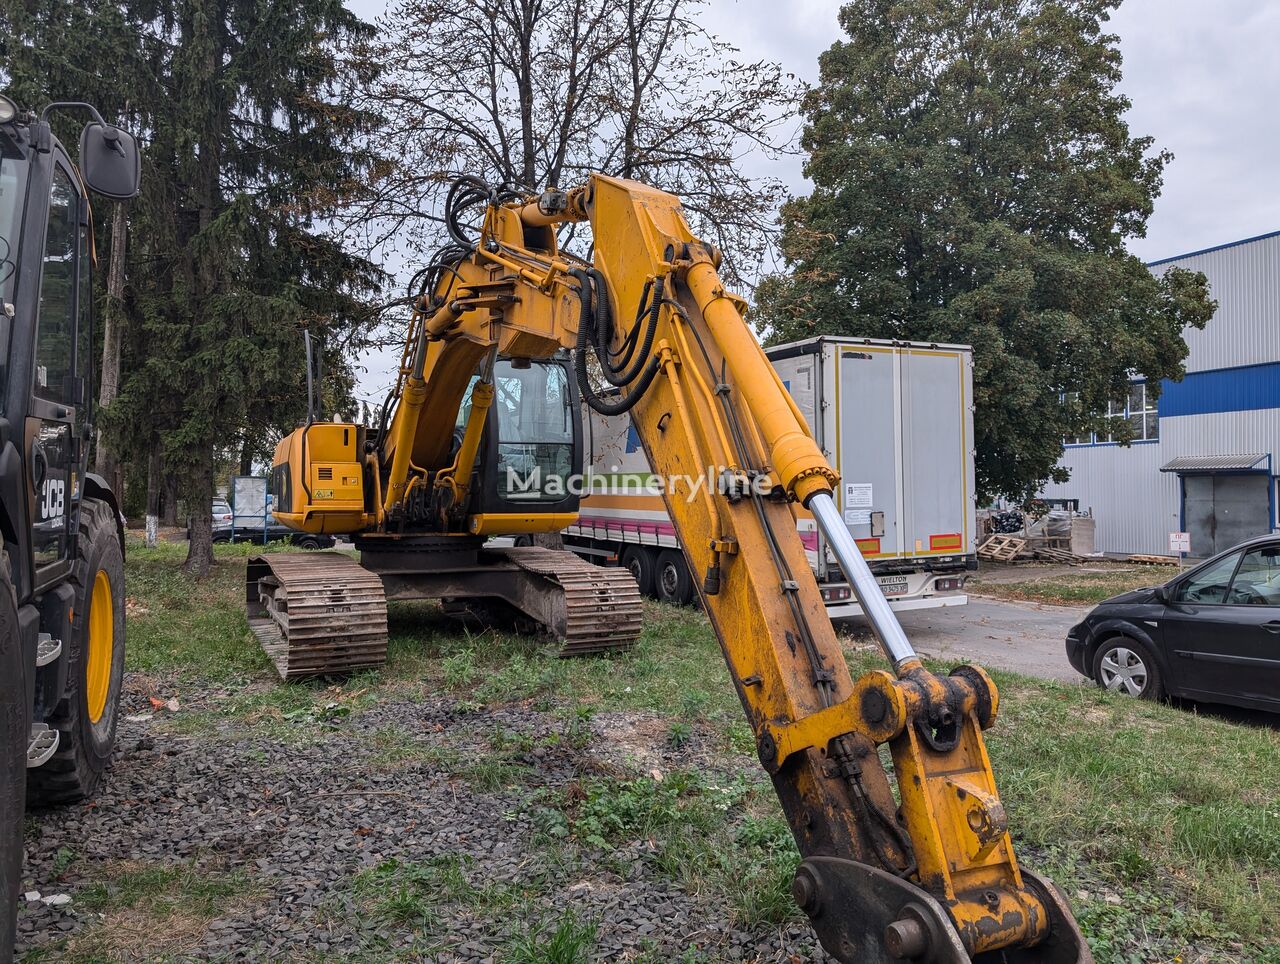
[(13, 759), (672, 580), (641, 563), (86, 716)]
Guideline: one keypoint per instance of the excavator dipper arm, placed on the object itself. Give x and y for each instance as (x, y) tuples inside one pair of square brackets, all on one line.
[(914, 866)]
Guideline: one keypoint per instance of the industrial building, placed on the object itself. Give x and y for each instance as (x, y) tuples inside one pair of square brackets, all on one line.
[(1207, 453)]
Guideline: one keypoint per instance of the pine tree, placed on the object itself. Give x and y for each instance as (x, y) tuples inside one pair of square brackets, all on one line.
[(251, 150), (249, 147), (97, 53), (975, 182)]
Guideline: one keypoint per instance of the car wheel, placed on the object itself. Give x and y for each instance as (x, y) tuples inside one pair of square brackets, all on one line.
[(640, 562), (308, 542), (672, 582), (1126, 666)]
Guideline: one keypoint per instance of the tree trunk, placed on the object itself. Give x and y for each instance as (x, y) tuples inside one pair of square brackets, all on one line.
[(246, 458), (169, 504), (153, 494), (104, 461), (199, 495)]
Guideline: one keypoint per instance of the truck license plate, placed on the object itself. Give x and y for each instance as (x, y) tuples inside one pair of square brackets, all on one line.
[(892, 585)]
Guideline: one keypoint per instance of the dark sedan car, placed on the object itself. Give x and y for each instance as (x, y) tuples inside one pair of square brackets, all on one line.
[(1212, 633)]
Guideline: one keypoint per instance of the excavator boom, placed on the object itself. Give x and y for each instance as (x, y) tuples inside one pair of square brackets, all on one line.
[(914, 862)]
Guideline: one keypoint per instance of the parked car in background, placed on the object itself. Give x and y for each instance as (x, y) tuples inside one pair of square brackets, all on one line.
[(272, 532), (220, 510), (1211, 633), (249, 530)]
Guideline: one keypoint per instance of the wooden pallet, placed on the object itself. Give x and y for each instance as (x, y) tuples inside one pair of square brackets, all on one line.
[(1002, 548), (1153, 560), (1056, 555)]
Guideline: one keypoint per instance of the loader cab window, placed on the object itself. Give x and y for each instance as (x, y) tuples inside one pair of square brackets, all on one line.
[(535, 431), (56, 321), (13, 176), (13, 183)]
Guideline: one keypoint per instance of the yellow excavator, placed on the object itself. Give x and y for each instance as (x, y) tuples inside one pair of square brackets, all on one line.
[(915, 866)]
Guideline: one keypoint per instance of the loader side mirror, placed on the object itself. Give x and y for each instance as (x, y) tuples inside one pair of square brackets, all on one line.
[(109, 161)]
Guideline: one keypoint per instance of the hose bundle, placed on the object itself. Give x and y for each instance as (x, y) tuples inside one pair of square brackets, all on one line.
[(628, 367)]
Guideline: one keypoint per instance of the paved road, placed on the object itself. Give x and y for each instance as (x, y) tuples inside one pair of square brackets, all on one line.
[(1023, 637)]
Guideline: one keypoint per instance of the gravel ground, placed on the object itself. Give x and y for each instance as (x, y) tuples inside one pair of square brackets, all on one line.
[(293, 823)]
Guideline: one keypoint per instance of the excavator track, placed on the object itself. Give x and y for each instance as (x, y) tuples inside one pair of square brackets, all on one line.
[(324, 614), (316, 613), (602, 611)]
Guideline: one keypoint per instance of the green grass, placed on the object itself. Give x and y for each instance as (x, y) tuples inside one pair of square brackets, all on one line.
[(411, 893), (569, 941), (1151, 802), (197, 629), (1076, 587), (1163, 826), (721, 837), (163, 889)]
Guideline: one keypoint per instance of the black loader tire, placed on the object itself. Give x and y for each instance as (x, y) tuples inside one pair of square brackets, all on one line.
[(84, 746), (14, 733)]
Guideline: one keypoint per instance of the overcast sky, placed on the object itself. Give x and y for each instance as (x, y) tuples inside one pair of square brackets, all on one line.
[(1204, 79)]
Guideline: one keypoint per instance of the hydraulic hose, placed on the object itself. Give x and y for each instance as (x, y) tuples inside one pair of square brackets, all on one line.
[(639, 376), (615, 374)]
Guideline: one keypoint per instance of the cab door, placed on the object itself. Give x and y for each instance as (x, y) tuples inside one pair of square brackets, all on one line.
[(52, 445)]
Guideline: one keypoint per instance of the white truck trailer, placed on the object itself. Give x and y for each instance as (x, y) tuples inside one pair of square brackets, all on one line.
[(894, 418)]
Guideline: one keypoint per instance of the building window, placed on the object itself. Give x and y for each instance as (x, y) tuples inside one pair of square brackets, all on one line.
[(1115, 410), (1139, 409), (1071, 402), (1142, 414)]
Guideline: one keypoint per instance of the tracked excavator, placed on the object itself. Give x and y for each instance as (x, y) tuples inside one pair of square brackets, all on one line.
[(912, 862)]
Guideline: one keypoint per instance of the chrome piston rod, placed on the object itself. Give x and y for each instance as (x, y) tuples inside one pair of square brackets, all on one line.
[(884, 623)]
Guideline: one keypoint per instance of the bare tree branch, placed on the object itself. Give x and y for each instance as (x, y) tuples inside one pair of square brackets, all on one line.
[(543, 92)]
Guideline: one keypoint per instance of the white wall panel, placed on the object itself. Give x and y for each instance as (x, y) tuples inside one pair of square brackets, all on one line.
[(1135, 505), (1245, 280)]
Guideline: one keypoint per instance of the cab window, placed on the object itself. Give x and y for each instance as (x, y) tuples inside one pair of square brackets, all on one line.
[(535, 431), (56, 320)]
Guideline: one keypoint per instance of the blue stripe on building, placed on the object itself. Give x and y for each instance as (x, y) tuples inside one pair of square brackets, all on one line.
[(1243, 389)]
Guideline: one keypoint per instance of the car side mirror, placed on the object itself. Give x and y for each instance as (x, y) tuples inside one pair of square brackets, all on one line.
[(109, 161), (1163, 595)]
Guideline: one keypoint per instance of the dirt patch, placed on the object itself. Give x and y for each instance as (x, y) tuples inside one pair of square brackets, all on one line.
[(631, 739)]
